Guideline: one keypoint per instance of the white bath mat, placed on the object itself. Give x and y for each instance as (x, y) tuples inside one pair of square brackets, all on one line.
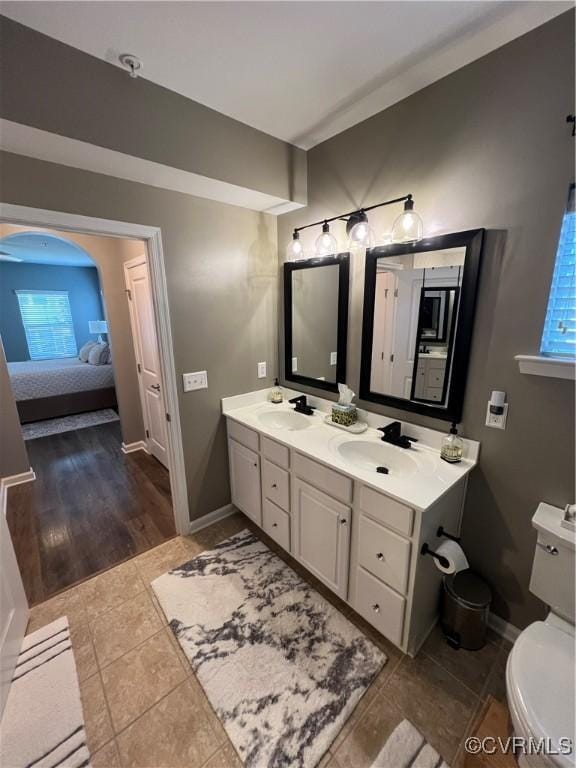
[(282, 668), (407, 748), (43, 724), (68, 423)]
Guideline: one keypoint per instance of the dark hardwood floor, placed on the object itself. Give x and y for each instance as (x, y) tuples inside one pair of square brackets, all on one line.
[(90, 508)]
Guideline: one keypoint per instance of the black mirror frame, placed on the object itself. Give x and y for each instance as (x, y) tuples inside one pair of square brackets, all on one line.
[(342, 260), (473, 241)]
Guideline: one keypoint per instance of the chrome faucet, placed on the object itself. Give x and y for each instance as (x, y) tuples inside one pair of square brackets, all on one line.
[(393, 435), (301, 405)]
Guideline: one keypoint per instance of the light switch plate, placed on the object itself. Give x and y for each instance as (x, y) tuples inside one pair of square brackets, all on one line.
[(262, 370), (333, 356), (192, 381), (496, 420)]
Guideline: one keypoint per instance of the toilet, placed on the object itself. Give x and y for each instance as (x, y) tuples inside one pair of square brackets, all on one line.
[(540, 669)]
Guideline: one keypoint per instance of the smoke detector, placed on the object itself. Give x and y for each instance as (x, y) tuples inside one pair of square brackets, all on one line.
[(132, 63)]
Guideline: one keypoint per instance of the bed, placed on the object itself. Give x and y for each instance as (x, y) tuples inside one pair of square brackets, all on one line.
[(45, 389)]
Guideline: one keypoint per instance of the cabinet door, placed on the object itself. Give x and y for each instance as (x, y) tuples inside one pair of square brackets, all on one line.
[(321, 539), (245, 480)]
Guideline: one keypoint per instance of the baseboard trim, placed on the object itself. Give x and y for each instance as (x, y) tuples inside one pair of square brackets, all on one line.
[(140, 445), (23, 477), (503, 628), (212, 517)]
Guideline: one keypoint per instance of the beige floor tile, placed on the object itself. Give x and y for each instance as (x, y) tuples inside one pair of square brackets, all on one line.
[(68, 603), (96, 718), (106, 757), (140, 678), (84, 654), (470, 667), (123, 628), (161, 559), (110, 589), (433, 700), (496, 682), (368, 734), (174, 733), (226, 757), (356, 715)]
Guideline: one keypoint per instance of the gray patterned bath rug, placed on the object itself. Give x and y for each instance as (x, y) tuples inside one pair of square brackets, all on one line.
[(407, 748), (282, 668), (38, 429), (43, 723)]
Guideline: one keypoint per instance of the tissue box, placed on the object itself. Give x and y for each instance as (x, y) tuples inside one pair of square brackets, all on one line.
[(346, 415)]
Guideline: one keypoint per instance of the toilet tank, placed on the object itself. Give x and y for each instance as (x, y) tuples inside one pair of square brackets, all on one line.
[(553, 567)]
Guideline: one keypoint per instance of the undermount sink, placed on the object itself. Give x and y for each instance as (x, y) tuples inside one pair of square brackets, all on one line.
[(368, 455), (284, 420)]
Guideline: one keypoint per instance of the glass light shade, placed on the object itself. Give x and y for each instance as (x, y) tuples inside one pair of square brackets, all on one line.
[(361, 236), (326, 244), (294, 251), (408, 227)]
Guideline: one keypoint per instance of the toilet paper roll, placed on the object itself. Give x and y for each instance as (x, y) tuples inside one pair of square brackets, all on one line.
[(454, 553)]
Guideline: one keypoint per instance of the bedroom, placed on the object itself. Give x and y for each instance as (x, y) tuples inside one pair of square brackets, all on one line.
[(64, 311)]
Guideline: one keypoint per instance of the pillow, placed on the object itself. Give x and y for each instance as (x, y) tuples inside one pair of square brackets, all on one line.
[(83, 354), (99, 354)]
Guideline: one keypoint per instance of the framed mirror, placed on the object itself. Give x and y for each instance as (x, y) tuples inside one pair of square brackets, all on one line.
[(316, 321), (419, 302)]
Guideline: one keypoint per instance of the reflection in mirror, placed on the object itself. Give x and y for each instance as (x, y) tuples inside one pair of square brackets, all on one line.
[(316, 320), (415, 313)]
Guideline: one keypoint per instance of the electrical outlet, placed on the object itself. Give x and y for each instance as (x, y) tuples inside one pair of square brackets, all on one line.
[(294, 365), (192, 381), (261, 370), (333, 356), (496, 420)]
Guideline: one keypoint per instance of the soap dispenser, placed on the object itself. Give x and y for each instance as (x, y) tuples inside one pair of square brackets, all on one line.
[(276, 395), (452, 446)]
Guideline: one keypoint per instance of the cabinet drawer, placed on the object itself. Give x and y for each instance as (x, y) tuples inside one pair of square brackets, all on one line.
[(438, 364), (276, 524), (387, 510), (379, 605), (243, 434), (433, 393), (276, 484), (337, 485), (435, 377), (384, 553), (276, 452)]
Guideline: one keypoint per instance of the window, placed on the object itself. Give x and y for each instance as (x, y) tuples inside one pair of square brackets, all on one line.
[(559, 336), (48, 324)]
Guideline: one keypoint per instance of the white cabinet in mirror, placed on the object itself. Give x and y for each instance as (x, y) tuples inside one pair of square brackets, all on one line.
[(318, 494)]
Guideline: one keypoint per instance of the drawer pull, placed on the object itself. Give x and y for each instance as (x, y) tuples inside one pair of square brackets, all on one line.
[(376, 608), (255, 463), (343, 521), (274, 485), (380, 556), (552, 550), (274, 525)]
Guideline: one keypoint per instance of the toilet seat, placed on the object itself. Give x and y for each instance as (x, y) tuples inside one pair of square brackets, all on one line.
[(540, 682)]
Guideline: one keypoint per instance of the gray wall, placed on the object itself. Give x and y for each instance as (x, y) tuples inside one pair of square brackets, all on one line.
[(73, 94), (222, 276), (13, 455), (487, 146)]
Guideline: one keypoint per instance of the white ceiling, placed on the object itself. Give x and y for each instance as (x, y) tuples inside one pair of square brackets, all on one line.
[(41, 248), (301, 71)]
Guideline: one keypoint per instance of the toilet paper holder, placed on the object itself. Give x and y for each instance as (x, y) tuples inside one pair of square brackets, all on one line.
[(441, 532), (441, 559)]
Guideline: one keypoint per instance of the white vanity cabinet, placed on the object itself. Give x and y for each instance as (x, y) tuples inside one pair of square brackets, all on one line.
[(359, 541)]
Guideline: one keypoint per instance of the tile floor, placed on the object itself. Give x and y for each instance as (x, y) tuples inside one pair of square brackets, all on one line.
[(144, 707)]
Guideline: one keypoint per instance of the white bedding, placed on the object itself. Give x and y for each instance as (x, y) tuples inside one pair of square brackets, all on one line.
[(33, 379)]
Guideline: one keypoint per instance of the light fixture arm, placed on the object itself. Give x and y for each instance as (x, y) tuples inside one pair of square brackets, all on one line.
[(346, 216)]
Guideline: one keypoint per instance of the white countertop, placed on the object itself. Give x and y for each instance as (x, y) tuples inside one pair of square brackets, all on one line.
[(418, 476)]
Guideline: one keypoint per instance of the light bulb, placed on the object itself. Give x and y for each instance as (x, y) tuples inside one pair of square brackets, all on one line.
[(294, 251), (361, 235), (408, 227), (326, 244)]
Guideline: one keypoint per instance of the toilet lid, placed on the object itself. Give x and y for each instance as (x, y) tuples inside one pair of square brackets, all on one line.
[(542, 675)]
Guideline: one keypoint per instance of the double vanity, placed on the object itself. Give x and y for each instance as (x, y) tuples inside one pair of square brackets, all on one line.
[(316, 491)]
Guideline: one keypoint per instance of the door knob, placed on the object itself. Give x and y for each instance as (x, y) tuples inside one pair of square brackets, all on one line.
[(156, 387)]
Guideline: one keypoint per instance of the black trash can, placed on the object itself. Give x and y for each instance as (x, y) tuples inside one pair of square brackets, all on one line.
[(466, 602)]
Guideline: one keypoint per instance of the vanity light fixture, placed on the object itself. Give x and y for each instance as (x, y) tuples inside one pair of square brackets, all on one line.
[(407, 228), (326, 244)]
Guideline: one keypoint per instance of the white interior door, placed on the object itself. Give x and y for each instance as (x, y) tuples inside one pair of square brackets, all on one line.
[(13, 611), (144, 332)]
